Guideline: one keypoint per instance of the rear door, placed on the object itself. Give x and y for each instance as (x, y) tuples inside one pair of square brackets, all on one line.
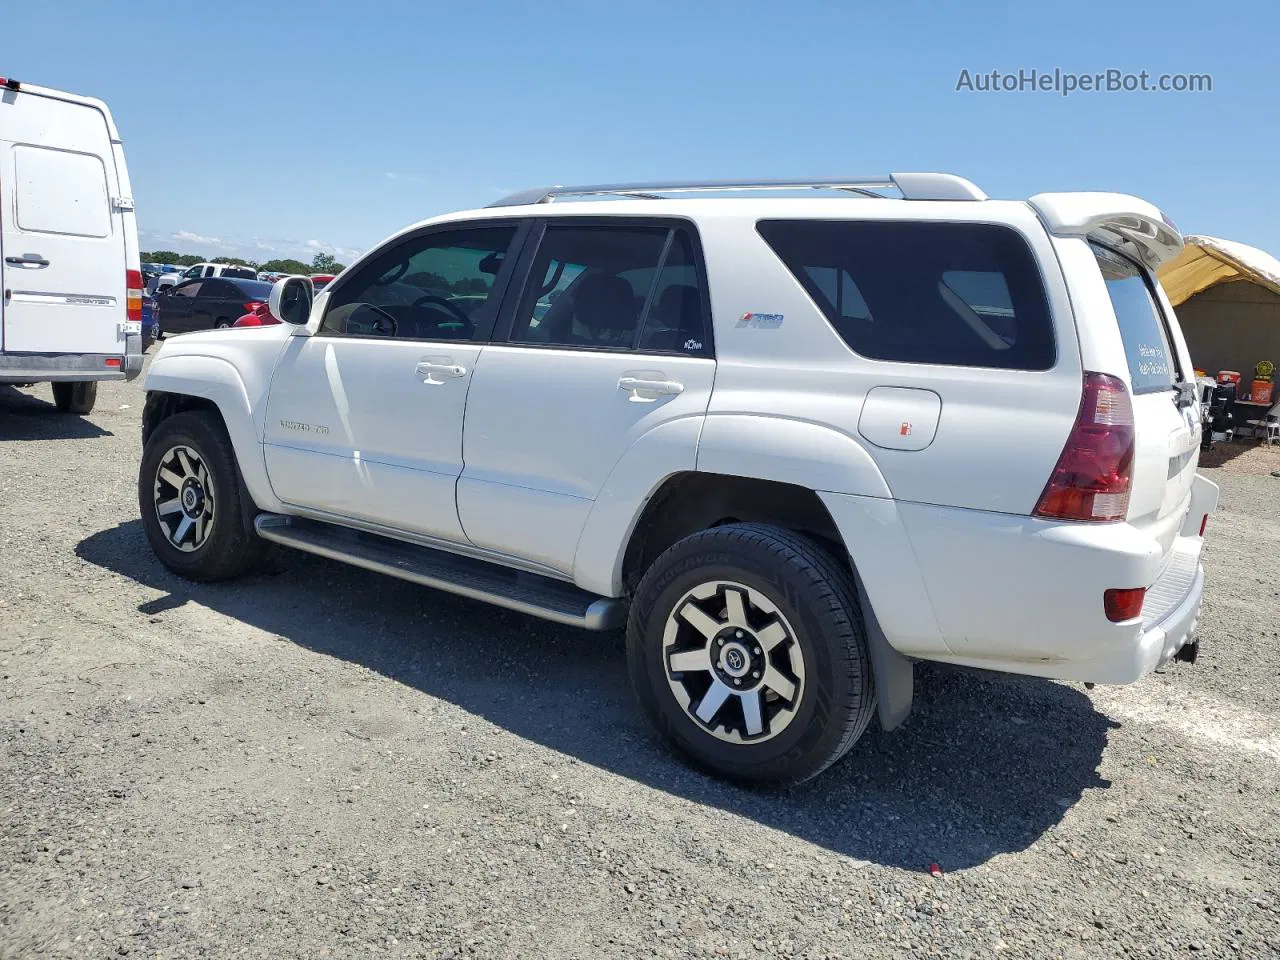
[(62, 239), (608, 341), (177, 307), (1167, 434)]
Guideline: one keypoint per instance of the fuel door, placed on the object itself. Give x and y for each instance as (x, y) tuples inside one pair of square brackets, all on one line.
[(900, 418)]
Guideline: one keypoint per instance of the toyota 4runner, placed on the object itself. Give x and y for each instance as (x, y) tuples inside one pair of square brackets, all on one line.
[(793, 443)]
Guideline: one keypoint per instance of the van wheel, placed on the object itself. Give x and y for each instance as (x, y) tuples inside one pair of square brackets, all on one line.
[(747, 651), (197, 515), (75, 396)]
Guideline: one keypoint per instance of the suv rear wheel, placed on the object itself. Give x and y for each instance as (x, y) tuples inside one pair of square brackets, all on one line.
[(747, 650), (197, 517)]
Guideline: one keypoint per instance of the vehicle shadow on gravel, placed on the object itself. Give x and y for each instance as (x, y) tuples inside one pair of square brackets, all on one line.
[(984, 766), (24, 417)]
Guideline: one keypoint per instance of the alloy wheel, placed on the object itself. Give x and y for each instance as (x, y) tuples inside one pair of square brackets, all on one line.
[(733, 662), (184, 498)]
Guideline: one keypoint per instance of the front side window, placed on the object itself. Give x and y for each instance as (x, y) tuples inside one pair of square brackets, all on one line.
[(614, 287), (192, 272), (1146, 341), (963, 294), (435, 286)]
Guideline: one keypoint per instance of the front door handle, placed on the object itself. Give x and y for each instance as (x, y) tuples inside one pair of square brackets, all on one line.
[(438, 370), (28, 260), (644, 388)]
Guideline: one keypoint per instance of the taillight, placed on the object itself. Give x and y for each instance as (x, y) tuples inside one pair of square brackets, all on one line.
[(133, 294), (1092, 478), (254, 306), (1121, 605)]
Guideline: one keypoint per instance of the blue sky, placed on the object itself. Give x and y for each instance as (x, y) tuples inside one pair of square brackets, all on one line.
[(276, 128)]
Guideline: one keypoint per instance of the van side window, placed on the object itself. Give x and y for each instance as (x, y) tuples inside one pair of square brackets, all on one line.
[(56, 191)]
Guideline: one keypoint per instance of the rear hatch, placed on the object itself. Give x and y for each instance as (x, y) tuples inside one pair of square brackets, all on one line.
[(61, 232), (1166, 417)]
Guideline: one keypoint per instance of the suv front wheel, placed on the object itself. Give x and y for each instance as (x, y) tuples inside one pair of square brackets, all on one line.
[(747, 650), (197, 518)]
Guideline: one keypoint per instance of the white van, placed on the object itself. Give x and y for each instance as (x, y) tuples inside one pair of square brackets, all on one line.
[(71, 310)]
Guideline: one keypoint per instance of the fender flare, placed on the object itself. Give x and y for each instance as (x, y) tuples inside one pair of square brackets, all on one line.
[(218, 381)]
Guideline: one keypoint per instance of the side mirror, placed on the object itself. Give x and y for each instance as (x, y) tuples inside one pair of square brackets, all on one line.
[(290, 300)]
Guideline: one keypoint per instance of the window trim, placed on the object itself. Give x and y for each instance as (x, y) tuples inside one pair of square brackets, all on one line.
[(1180, 375), (501, 333), (498, 293), (1026, 241)]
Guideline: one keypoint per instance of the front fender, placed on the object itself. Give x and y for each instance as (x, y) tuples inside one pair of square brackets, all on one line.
[(219, 381)]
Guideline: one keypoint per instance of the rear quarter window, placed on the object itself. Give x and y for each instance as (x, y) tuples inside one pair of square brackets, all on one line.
[(962, 294), (1142, 327)]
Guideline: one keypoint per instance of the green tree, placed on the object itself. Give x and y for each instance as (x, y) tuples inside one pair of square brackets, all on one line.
[(237, 261), (326, 263), (285, 266), (159, 256)]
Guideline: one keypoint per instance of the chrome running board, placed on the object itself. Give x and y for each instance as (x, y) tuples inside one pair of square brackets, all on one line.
[(517, 590)]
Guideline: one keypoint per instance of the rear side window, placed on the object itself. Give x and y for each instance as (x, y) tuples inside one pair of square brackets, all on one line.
[(962, 294), (61, 192), (1146, 341)]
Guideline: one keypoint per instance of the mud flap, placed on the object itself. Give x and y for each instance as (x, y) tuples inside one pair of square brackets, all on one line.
[(894, 675)]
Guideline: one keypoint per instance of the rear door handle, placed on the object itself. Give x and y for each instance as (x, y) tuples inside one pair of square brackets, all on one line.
[(28, 260), (656, 387), (438, 370)]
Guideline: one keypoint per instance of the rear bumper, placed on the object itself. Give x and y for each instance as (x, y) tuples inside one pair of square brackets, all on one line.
[(1021, 595), (47, 367)]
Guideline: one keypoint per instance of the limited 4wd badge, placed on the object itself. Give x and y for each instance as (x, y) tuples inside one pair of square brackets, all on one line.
[(760, 321)]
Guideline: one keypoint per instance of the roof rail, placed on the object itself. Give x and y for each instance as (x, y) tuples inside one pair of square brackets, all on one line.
[(912, 186)]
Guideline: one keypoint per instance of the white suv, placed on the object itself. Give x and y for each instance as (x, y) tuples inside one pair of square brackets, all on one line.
[(793, 443)]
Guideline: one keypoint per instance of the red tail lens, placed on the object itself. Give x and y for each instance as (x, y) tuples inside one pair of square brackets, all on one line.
[(133, 294), (1095, 471), (254, 306), (1122, 605), (1204, 522)]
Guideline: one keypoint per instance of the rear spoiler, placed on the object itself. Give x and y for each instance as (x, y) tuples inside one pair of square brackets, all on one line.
[(1115, 219)]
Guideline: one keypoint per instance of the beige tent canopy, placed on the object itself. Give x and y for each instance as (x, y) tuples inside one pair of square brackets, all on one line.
[(1208, 261)]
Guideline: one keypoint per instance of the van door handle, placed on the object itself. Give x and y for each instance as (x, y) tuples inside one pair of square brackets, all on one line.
[(638, 385), (28, 260)]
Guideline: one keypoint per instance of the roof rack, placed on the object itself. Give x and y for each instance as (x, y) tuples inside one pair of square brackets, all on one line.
[(912, 186)]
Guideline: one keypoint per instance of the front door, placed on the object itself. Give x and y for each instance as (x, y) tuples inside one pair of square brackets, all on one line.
[(177, 307), (609, 341), (62, 238), (364, 420)]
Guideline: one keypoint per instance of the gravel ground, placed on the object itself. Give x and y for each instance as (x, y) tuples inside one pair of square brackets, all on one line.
[(322, 762)]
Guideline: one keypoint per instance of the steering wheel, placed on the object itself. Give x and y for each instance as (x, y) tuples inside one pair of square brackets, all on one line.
[(384, 324), (441, 301)]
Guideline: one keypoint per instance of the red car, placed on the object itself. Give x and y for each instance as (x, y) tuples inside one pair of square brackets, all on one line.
[(261, 316)]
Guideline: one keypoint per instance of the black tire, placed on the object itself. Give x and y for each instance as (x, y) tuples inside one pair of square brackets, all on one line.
[(231, 546), (816, 597), (75, 396), (222, 323)]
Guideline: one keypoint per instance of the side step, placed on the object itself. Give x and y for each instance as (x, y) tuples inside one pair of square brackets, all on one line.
[(501, 586)]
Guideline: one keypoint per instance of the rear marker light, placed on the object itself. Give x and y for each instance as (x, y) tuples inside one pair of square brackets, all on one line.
[(1121, 605), (1092, 477), (1204, 522), (112, 361)]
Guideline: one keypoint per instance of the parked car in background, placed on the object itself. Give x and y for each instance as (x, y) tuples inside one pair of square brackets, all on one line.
[(321, 280), (259, 316), (199, 270), (206, 304), (150, 326), (71, 313)]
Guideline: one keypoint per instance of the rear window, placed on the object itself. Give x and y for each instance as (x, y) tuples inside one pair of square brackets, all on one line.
[(57, 191), (257, 289), (962, 294), (1146, 340)]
